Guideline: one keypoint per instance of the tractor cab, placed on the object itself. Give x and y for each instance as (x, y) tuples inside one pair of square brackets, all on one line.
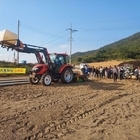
[(58, 61)]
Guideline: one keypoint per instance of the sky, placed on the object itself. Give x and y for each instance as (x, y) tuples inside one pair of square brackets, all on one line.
[(47, 23)]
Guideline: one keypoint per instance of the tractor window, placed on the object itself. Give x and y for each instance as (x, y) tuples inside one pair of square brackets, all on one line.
[(58, 58), (62, 59), (53, 57)]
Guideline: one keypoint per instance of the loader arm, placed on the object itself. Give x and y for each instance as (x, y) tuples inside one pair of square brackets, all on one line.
[(27, 48)]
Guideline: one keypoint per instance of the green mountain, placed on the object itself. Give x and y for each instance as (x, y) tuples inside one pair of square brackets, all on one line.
[(127, 48)]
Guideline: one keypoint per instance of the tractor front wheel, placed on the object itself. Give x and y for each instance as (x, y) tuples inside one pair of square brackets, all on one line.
[(46, 79), (34, 80), (67, 75)]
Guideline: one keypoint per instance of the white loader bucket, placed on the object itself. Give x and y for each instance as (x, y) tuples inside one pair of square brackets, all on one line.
[(8, 37)]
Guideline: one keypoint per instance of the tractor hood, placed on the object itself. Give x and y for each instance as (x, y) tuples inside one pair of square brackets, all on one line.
[(40, 68)]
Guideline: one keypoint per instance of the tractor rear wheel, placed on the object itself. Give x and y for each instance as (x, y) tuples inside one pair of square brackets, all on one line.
[(67, 75), (46, 79)]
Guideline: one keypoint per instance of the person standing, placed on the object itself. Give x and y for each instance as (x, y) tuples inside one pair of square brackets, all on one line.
[(93, 72), (97, 72), (82, 67), (101, 72), (115, 73), (138, 73), (121, 73)]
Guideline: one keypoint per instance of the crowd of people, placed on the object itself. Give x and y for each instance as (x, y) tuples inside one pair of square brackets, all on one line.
[(116, 72)]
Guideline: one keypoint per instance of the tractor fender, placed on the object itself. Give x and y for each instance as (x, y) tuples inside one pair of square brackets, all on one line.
[(63, 67)]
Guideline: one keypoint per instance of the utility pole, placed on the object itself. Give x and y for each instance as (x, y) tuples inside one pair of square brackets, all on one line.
[(71, 31), (18, 38)]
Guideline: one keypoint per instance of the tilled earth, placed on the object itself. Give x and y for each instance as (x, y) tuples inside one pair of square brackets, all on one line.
[(93, 110)]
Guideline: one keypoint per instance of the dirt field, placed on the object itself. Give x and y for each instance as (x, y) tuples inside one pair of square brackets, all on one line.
[(106, 64), (129, 63), (93, 110)]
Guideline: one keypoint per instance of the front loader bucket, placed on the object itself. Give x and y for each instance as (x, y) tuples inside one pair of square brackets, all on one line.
[(10, 40), (8, 45)]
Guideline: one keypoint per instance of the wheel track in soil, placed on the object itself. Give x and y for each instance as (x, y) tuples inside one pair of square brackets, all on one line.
[(57, 127), (33, 109), (65, 123), (54, 103)]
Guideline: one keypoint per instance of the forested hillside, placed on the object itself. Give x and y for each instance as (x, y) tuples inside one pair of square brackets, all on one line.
[(127, 48)]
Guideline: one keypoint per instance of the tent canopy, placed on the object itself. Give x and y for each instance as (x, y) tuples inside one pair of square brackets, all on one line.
[(8, 37)]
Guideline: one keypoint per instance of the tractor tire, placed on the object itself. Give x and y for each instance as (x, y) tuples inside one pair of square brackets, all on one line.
[(46, 79), (34, 80), (67, 76)]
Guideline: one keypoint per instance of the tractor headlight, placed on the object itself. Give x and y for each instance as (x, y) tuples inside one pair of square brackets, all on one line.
[(35, 69)]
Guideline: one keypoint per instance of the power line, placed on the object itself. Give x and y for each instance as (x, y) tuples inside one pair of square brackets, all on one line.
[(42, 32), (34, 29), (110, 28), (48, 42), (108, 20)]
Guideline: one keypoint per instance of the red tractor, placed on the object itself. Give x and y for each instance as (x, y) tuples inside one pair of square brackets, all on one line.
[(51, 67)]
